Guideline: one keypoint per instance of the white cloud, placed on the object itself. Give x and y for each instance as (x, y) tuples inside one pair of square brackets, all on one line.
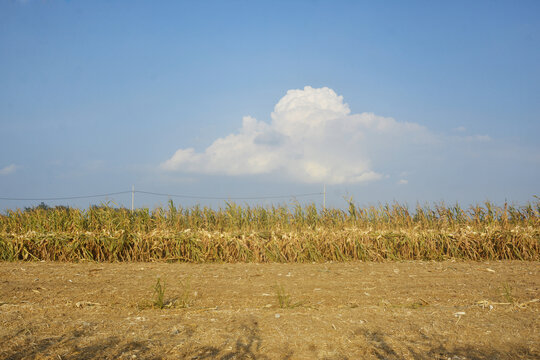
[(404, 174), (312, 138), (479, 138), (10, 169), (402, 182)]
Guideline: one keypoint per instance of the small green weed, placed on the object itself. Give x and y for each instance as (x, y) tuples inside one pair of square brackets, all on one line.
[(159, 294), (507, 293), (159, 301), (185, 300), (284, 299)]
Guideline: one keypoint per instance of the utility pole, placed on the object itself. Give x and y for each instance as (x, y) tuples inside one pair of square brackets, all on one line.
[(132, 196)]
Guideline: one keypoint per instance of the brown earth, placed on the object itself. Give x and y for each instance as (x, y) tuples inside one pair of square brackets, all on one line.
[(393, 310)]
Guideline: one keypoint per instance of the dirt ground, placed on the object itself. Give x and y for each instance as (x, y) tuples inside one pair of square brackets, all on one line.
[(393, 310)]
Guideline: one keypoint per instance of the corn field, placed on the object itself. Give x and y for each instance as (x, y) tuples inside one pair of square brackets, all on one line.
[(272, 234)]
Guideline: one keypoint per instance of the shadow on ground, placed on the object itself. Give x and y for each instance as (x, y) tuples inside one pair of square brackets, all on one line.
[(437, 350), (247, 345), (68, 347)]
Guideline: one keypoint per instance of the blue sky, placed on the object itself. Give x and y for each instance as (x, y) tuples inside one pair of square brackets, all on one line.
[(416, 101)]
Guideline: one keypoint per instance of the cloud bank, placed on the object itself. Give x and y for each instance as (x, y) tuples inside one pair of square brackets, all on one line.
[(312, 138), (10, 169)]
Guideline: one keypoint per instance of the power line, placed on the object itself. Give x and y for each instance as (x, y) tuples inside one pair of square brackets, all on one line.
[(230, 197), (163, 194), (68, 197)]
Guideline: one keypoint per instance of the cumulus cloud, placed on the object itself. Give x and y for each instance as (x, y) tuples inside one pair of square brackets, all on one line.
[(10, 169), (312, 138)]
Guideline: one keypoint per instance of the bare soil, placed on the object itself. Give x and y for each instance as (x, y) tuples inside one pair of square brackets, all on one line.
[(393, 310)]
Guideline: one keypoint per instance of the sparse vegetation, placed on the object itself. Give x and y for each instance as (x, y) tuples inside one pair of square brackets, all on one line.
[(185, 300), (507, 293), (284, 299), (159, 294), (159, 301), (272, 234)]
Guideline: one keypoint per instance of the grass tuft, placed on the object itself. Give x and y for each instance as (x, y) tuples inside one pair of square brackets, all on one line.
[(284, 299), (507, 293), (185, 300), (159, 294)]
